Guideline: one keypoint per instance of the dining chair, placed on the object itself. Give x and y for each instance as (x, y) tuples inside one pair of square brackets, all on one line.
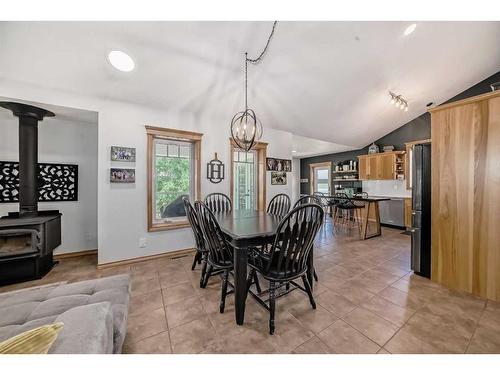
[(279, 205), (307, 199), (200, 256), (287, 259), (220, 252), (218, 202)]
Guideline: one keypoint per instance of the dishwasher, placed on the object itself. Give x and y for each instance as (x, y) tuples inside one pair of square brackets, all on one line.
[(392, 212)]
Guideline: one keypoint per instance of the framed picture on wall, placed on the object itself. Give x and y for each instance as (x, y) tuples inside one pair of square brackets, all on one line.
[(122, 175), (278, 178), (122, 153), (279, 165)]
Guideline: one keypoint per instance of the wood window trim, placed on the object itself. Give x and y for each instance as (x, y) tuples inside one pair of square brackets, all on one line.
[(153, 132), (409, 146), (325, 164), (261, 150)]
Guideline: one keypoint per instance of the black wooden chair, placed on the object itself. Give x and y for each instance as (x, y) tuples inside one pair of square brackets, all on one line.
[(201, 253), (218, 202), (307, 199), (287, 259), (220, 253), (279, 205), (347, 211)]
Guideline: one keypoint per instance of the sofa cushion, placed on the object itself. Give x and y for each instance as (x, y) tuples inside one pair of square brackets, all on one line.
[(87, 329), (33, 294), (26, 309)]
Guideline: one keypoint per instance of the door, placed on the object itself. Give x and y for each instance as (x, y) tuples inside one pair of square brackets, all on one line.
[(321, 177), (244, 180)]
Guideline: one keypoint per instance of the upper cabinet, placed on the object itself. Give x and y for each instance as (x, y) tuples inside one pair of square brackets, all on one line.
[(382, 166)]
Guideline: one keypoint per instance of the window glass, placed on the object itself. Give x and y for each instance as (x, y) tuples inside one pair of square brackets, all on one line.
[(173, 170)]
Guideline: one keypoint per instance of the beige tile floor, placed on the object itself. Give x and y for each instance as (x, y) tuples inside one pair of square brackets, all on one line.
[(368, 302)]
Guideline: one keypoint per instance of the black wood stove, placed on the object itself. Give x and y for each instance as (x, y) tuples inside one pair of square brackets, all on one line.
[(28, 237)]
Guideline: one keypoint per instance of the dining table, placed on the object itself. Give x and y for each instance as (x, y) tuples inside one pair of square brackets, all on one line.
[(245, 229)]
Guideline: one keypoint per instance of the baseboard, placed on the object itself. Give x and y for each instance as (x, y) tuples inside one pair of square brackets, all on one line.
[(75, 254), (169, 255)]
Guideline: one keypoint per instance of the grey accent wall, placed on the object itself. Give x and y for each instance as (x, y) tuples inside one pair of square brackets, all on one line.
[(416, 129)]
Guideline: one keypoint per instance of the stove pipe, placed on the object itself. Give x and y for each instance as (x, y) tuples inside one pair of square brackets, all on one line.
[(28, 154)]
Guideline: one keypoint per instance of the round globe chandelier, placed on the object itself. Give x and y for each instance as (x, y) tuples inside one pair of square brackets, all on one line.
[(246, 128)]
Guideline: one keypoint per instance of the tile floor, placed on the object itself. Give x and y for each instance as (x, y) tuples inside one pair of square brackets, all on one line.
[(368, 301)]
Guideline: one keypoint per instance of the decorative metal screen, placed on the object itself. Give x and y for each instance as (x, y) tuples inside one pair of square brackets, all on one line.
[(56, 182)]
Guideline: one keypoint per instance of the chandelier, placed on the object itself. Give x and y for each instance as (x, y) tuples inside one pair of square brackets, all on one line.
[(246, 128)]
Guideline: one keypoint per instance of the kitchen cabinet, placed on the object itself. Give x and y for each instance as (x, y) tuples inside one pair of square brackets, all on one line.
[(382, 166), (465, 195), (363, 168)]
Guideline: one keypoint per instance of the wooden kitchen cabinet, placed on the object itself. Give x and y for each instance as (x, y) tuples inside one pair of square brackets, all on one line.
[(363, 168), (382, 166), (465, 195)]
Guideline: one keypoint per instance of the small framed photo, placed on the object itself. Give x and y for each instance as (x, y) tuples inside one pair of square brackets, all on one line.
[(122, 175), (278, 178), (279, 165), (122, 153)]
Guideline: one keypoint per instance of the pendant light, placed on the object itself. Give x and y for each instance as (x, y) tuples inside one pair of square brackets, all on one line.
[(246, 128)]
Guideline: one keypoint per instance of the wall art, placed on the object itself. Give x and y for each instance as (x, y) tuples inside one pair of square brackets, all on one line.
[(122, 153), (279, 165), (56, 182), (215, 170), (122, 175), (278, 178)]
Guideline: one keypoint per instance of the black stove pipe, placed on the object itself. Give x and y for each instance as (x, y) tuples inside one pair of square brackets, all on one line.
[(28, 154)]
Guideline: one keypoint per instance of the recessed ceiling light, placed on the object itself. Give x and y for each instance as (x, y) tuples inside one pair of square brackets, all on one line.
[(294, 151), (410, 29), (121, 61)]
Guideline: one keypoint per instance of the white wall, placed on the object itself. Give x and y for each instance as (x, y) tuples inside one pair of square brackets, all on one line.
[(63, 141), (122, 207)]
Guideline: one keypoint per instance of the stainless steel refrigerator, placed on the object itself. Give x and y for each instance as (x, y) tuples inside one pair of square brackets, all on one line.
[(421, 210)]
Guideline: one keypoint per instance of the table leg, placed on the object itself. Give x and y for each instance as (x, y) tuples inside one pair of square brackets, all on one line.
[(240, 283)]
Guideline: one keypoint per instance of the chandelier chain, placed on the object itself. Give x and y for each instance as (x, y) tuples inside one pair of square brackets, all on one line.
[(256, 60)]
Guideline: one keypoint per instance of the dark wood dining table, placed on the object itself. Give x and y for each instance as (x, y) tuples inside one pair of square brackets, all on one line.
[(244, 229)]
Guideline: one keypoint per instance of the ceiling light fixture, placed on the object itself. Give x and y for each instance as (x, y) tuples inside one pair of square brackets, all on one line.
[(410, 29), (121, 61), (246, 129), (398, 101)]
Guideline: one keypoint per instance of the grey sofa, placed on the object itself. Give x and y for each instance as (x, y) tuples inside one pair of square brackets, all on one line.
[(94, 313)]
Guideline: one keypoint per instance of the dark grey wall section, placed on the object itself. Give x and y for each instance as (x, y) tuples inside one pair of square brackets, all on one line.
[(416, 129)]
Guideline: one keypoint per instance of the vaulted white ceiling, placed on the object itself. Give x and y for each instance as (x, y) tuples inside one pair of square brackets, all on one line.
[(322, 81)]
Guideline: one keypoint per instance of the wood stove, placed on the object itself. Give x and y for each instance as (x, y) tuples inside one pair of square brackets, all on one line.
[(28, 237)]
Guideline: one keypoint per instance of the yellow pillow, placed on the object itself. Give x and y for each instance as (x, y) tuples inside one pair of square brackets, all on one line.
[(35, 341)]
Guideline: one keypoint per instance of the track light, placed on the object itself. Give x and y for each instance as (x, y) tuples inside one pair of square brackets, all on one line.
[(398, 101)]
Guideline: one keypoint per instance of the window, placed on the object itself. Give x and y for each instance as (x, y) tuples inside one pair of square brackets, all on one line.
[(173, 173), (248, 177), (245, 180), (320, 175)]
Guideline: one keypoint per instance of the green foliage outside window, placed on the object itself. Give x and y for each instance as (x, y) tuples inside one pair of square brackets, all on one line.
[(172, 180)]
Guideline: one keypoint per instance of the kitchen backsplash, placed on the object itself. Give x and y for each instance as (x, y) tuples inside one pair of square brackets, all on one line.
[(390, 188)]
